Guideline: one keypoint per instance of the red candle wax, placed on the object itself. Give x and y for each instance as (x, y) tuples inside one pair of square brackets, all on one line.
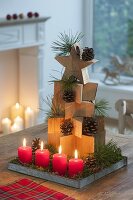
[(25, 153), (59, 163), (75, 166), (42, 157)]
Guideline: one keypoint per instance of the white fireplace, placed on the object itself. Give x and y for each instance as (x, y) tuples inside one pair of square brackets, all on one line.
[(21, 63)]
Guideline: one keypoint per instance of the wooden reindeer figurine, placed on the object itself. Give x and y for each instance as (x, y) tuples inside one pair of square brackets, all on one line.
[(114, 76)]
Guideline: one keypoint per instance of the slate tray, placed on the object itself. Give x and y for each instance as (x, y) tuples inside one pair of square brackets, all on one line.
[(80, 183)]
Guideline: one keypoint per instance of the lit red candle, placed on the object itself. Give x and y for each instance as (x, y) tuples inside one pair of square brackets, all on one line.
[(59, 162), (75, 165), (25, 153), (42, 157)]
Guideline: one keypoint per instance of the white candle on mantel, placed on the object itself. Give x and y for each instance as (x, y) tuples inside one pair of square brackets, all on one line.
[(17, 110), (14, 128), (19, 122), (6, 125), (29, 117)]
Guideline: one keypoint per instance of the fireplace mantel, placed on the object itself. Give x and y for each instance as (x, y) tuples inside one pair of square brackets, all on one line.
[(21, 64), (16, 34)]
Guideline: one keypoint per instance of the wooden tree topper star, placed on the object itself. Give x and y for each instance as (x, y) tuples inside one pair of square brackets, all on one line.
[(74, 65)]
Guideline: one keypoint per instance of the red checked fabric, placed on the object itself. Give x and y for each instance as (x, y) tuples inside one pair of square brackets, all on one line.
[(29, 190)]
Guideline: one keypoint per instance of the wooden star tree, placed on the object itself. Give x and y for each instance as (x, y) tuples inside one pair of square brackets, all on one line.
[(82, 107)]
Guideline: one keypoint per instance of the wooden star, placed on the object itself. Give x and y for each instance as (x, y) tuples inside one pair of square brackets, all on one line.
[(74, 65), (84, 109)]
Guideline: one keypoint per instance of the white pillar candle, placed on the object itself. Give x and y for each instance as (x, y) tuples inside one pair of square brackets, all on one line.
[(14, 128), (29, 117), (19, 122), (17, 110), (6, 125)]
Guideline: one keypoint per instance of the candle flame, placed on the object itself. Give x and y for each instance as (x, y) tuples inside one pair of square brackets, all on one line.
[(6, 119), (17, 105), (28, 109), (76, 154), (41, 145), (18, 117), (60, 149), (15, 125), (24, 142)]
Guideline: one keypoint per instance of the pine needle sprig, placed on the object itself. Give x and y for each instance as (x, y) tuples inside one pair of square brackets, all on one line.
[(101, 108), (63, 45), (68, 83), (107, 154), (54, 110), (52, 149)]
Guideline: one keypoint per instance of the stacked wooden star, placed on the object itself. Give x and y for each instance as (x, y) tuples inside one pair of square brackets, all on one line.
[(83, 106)]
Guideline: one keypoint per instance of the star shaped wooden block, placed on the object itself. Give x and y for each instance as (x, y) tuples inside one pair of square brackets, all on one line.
[(74, 65), (84, 109)]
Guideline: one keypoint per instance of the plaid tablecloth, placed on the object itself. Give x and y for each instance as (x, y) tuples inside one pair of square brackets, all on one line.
[(29, 190)]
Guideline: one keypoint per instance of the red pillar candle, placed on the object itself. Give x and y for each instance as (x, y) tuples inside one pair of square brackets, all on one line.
[(25, 153), (42, 157), (75, 165), (59, 162)]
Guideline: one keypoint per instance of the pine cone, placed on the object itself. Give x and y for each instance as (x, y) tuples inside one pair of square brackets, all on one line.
[(68, 96), (66, 127), (90, 162), (88, 54), (89, 126), (35, 145)]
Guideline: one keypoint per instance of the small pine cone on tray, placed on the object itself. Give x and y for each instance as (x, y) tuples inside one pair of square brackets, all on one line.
[(90, 162), (35, 145), (88, 54)]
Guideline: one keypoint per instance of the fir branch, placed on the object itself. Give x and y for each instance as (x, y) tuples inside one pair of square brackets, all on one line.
[(63, 45), (54, 110), (68, 83), (107, 154), (101, 108)]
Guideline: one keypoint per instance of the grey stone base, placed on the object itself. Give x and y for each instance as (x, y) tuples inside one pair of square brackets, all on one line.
[(67, 181)]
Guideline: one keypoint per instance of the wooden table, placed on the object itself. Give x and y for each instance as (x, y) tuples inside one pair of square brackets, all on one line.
[(118, 185)]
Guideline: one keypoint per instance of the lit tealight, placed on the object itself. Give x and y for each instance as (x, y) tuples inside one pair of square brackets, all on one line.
[(28, 110), (17, 105), (6, 125), (29, 117), (17, 110), (14, 128)]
